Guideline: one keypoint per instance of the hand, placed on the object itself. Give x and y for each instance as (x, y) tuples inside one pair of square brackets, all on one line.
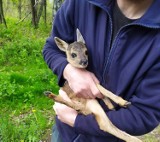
[(82, 82), (64, 113)]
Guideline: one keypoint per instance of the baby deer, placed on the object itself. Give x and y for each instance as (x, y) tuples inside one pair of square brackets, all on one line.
[(77, 56)]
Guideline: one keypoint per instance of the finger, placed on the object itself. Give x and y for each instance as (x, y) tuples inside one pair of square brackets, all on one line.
[(64, 95), (95, 78), (94, 88), (54, 107), (61, 92), (96, 92)]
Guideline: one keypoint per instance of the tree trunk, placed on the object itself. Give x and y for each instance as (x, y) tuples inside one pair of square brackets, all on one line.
[(56, 6), (20, 9), (7, 6), (45, 12), (2, 18), (34, 13), (40, 11)]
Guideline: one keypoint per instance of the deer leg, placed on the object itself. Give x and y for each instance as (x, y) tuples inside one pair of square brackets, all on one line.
[(113, 97), (75, 105), (59, 99), (105, 124), (108, 103)]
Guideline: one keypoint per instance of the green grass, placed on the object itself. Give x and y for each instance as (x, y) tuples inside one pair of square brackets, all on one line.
[(26, 114)]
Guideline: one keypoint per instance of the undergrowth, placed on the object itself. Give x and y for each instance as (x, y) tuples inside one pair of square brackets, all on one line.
[(26, 114)]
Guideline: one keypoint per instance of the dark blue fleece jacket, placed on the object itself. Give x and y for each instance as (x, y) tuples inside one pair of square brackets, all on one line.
[(129, 67)]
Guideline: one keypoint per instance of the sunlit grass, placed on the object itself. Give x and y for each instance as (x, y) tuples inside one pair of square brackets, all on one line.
[(26, 114)]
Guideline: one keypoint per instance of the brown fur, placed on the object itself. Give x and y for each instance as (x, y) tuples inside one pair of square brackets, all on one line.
[(90, 106)]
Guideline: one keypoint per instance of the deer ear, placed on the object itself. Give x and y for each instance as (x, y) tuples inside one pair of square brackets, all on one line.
[(80, 37), (62, 45)]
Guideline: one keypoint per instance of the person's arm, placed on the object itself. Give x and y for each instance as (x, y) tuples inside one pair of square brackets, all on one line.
[(63, 27)]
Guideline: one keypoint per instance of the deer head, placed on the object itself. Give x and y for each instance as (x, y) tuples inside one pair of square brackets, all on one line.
[(76, 52)]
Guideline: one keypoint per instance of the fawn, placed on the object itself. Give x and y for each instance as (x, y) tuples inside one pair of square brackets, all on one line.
[(77, 57)]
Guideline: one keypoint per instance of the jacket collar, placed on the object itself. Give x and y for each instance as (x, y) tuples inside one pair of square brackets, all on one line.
[(150, 19), (100, 2), (104, 4)]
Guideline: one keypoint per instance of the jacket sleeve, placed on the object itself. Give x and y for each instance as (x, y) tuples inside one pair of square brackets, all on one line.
[(139, 118), (63, 28)]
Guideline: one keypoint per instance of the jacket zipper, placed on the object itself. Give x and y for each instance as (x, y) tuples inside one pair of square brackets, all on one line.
[(107, 57), (113, 48)]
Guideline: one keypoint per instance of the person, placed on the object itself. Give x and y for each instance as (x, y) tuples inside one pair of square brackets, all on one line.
[(122, 37)]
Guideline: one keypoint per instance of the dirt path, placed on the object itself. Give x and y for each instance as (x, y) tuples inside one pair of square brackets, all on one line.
[(153, 136)]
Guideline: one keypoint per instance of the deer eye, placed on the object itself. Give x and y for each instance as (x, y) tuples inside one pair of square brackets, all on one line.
[(74, 55)]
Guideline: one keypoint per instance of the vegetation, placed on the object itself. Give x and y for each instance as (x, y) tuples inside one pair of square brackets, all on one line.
[(26, 114)]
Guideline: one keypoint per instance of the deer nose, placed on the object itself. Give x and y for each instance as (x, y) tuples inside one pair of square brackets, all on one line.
[(83, 62)]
